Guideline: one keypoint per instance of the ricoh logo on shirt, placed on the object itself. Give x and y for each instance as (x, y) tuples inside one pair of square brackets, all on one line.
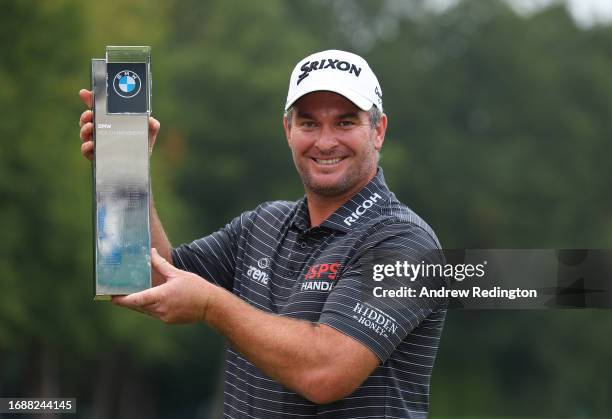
[(258, 274), (361, 209), (374, 319), (320, 277), (326, 63)]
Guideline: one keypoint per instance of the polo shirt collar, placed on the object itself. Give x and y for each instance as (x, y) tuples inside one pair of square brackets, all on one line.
[(301, 218), (356, 210)]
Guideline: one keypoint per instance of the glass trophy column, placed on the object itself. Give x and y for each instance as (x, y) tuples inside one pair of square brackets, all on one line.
[(121, 181)]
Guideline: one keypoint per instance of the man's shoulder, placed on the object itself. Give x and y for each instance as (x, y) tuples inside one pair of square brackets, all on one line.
[(275, 209), (398, 220), (403, 213), (271, 213), (395, 231)]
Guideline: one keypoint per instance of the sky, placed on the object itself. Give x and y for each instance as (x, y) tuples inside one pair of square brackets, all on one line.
[(586, 12)]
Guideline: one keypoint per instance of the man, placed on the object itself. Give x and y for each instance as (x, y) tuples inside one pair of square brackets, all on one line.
[(289, 284)]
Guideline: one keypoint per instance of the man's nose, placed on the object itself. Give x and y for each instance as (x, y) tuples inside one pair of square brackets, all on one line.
[(327, 138)]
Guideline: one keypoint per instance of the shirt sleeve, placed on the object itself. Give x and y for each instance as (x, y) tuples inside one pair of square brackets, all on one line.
[(382, 322), (213, 257)]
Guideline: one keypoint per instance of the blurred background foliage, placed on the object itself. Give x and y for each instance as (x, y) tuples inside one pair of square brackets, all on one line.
[(499, 136)]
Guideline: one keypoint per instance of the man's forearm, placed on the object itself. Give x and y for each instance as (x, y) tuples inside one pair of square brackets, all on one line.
[(159, 239), (314, 360), (287, 350), (278, 345)]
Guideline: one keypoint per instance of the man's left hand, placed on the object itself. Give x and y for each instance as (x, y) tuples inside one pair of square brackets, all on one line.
[(182, 298)]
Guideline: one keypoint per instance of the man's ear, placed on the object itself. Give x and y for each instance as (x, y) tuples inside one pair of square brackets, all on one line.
[(381, 129)]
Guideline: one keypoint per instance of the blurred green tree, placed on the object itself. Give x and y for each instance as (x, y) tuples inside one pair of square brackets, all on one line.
[(498, 136), (50, 331)]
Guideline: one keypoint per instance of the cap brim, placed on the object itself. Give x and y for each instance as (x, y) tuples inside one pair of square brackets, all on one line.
[(360, 101)]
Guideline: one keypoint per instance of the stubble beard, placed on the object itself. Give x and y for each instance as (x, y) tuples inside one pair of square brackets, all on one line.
[(352, 177)]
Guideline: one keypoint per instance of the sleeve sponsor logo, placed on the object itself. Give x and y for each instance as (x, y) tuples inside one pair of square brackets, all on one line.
[(326, 63), (372, 318)]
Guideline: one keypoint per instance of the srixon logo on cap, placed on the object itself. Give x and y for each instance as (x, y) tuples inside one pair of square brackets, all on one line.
[(326, 63)]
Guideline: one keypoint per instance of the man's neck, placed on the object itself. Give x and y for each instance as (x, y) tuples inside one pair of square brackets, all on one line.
[(321, 207)]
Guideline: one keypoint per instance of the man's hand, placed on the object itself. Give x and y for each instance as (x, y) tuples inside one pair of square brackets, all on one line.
[(86, 124), (182, 298), (316, 361)]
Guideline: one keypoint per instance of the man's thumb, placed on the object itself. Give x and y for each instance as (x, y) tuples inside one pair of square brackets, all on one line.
[(161, 265)]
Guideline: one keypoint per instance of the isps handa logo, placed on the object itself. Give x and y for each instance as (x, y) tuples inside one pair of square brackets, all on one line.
[(127, 84), (320, 277)]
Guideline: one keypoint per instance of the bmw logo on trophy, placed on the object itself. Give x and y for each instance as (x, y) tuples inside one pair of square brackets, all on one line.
[(122, 105), (127, 84)]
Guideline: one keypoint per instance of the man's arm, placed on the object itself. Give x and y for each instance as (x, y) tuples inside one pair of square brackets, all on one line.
[(316, 361), (159, 239)]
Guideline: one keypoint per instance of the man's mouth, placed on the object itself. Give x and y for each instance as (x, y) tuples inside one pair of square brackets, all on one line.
[(328, 162)]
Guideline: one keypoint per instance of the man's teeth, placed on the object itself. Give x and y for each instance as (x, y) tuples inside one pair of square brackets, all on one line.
[(328, 161)]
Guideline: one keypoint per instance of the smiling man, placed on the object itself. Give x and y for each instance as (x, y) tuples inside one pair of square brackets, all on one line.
[(289, 283)]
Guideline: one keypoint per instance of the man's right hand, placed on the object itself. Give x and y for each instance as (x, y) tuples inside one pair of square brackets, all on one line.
[(86, 124)]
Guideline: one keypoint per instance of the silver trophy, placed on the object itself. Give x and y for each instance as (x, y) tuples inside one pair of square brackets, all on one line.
[(121, 108)]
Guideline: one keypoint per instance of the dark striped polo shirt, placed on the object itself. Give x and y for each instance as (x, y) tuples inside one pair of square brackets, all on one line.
[(271, 258)]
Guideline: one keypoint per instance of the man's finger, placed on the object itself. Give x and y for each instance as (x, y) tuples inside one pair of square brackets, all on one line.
[(87, 149), (137, 300), (87, 131), (87, 97), (161, 265), (153, 125), (86, 116)]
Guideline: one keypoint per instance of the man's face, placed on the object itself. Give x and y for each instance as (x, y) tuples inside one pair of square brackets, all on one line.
[(333, 144)]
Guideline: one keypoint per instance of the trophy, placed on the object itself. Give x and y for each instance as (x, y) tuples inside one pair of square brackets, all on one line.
[(121, 85)]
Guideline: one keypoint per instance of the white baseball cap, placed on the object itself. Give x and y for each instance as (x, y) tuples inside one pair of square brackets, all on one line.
[(336, 71)]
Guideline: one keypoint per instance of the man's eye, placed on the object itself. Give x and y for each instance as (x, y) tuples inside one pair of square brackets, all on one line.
[(308, 124), (346, 123)]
